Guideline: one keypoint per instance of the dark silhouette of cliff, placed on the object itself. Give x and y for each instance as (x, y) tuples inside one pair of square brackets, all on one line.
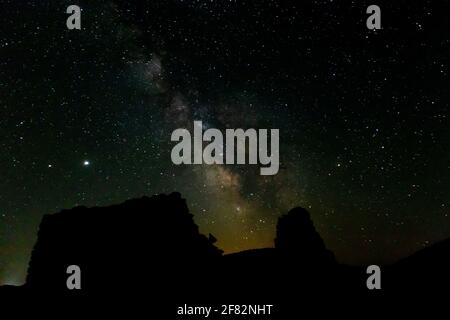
[(153, 244), (297, 237), (148, 241)]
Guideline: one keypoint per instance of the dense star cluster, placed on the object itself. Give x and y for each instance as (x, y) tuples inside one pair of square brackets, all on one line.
[(86, 117)]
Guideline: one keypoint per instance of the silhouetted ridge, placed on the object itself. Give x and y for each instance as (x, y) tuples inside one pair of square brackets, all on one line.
[(154, 243), (426, 268)]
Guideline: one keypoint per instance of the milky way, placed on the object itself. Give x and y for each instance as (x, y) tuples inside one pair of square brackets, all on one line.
[(86, 117)]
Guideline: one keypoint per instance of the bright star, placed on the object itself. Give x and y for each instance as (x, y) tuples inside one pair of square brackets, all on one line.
[(86, 163)]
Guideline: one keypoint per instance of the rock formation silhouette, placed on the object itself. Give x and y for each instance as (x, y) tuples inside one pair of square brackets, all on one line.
[(142, 241), (153, 243), (297, 237)]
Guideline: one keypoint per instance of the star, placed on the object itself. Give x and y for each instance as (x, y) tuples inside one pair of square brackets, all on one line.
[(86, 163)]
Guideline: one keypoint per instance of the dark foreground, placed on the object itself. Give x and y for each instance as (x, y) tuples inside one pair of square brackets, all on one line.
[(146, 256)]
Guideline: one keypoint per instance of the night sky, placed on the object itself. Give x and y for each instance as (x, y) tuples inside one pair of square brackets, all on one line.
[(86, 117)]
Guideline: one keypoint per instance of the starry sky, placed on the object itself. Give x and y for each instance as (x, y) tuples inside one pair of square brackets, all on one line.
[(86, 117)]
